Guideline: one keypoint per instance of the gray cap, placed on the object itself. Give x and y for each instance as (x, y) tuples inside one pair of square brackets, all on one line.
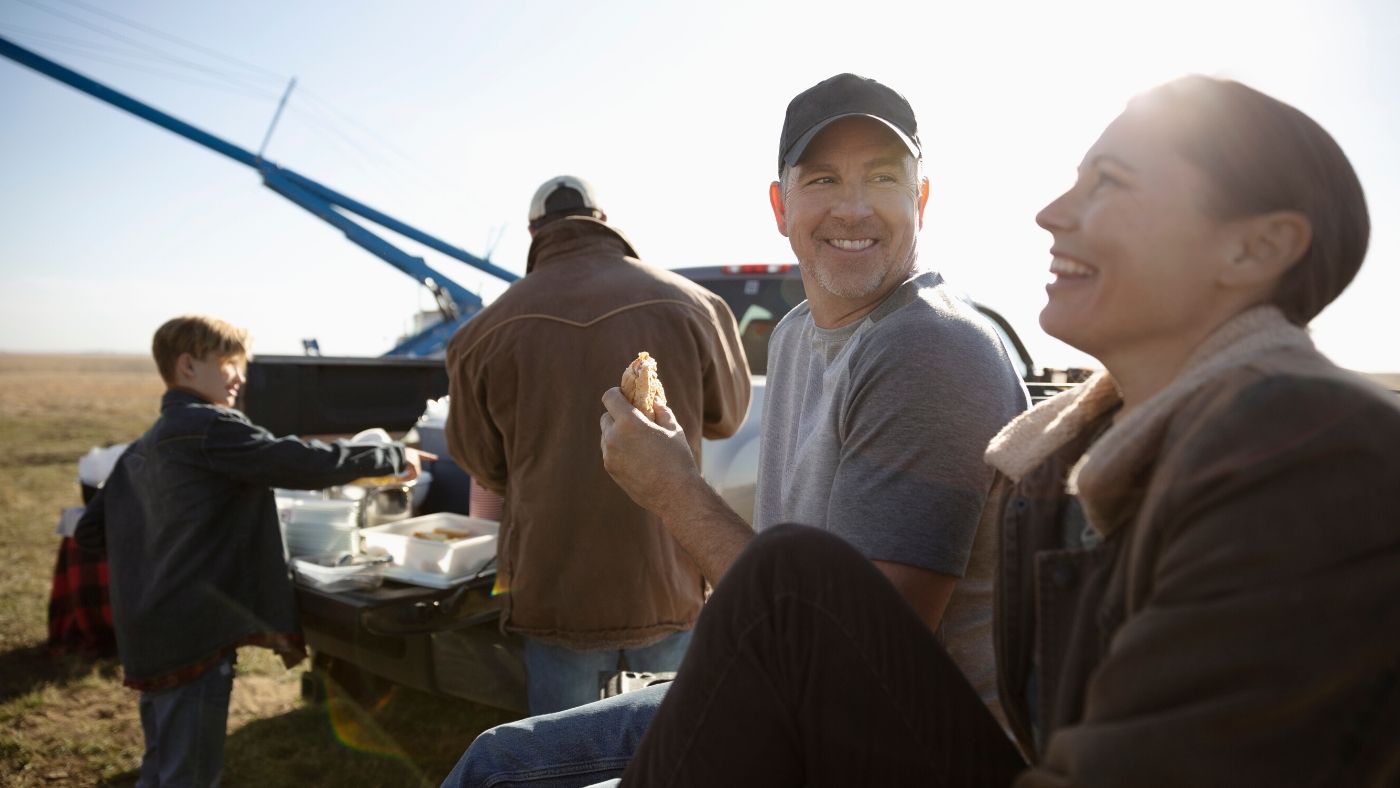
[(563, 193)]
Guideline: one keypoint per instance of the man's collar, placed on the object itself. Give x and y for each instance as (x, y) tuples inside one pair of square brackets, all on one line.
[(574, 233)]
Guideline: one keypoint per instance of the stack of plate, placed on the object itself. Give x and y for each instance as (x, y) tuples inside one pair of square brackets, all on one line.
[(288, 499), (311, 527)]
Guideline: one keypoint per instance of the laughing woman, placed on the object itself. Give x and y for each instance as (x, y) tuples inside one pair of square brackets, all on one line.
[(1200, 580)]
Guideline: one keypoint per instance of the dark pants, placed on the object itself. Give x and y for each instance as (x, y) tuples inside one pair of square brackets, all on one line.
[(808, 668)]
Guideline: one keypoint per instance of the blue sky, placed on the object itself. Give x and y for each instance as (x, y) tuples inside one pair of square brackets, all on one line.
[(448, 115)]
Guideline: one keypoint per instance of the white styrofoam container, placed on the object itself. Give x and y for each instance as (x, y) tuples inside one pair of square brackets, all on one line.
[(459, 558)]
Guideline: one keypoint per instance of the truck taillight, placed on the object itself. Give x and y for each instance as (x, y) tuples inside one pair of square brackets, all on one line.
[(758, 268)]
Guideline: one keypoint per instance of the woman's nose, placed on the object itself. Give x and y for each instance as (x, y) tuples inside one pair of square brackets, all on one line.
[(1058, 215)]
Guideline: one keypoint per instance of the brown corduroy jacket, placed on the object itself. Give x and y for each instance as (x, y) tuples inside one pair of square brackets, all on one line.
[(1234, 617), (585, 566)]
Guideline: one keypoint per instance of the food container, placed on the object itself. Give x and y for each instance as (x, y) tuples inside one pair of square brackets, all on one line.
[(419, 557)]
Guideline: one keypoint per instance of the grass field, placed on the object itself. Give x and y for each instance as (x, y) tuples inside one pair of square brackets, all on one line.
[(68, 721)]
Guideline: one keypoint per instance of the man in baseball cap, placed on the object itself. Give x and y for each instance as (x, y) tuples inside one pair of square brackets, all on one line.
[(595, 582), (883, 390)]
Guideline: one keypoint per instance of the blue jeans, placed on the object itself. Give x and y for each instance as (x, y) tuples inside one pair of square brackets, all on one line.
[(184, 728), (577, 747), (561, 678)]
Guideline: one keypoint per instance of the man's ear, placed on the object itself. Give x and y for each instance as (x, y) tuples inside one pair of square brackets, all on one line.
[(775, 198), (923, 200), (1265, 247)]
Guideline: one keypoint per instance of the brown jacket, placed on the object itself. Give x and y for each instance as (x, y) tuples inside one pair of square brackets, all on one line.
[(1238, 623), (585, 566)]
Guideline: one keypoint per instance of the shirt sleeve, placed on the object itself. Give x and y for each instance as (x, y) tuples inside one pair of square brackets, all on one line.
[(475, 442), (234, 447), (1264, 643), (911, 483), (91, 531)]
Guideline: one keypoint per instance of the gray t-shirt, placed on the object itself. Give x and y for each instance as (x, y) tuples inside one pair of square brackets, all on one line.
[(875, 431)]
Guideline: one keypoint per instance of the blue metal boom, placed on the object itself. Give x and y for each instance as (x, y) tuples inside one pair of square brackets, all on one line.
[(457, 303)]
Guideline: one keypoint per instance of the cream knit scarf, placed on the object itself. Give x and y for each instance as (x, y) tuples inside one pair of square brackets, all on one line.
[(1126, 450)]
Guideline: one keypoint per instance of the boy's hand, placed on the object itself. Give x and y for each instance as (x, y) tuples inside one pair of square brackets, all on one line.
[(415, 458)]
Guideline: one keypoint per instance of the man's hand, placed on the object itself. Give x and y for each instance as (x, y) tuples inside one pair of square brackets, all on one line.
[(650, 461)]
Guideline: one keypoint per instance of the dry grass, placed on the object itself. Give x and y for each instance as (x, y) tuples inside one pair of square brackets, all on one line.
[(69, 721)]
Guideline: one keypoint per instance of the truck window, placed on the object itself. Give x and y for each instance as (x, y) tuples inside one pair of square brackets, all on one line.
[(758, 304)]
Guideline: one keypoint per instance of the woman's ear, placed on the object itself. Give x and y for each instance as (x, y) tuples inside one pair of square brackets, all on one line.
[(1265, 247)]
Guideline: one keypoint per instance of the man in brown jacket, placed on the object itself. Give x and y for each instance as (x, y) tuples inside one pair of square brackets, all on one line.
[(595, 583)]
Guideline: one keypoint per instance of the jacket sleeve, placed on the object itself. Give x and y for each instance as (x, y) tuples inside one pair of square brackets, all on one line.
[(726, 375), (1263, 645), (234, 447), (91, 531), (472, 436)]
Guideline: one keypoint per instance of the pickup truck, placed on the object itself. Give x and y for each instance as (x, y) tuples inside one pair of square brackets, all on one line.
[(449, 641)]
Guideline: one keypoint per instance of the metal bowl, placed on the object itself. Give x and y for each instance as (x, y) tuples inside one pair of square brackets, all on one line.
[(386, 504)]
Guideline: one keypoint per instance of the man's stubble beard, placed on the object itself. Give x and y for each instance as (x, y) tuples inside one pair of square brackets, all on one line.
[(868, 285)]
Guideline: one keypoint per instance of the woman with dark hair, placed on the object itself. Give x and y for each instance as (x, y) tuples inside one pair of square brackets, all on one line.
[(1200, 567)]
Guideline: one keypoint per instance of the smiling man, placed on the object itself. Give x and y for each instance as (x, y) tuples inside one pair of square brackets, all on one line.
[(884, 388)]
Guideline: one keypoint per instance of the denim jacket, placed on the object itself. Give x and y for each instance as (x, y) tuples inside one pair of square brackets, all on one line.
[(189, 524)]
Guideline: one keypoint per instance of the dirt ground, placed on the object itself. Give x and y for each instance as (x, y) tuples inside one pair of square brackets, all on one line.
[(68, 720)]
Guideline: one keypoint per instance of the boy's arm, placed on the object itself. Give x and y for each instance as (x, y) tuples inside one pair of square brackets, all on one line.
[(237, 448)]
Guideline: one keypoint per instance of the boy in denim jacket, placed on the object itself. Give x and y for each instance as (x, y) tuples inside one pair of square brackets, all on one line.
[(195, 556)]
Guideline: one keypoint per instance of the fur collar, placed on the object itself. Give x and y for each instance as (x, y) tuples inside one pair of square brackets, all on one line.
[(1106, 471)]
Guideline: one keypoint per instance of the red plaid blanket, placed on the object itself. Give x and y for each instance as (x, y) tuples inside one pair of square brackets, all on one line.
[(80, 613)]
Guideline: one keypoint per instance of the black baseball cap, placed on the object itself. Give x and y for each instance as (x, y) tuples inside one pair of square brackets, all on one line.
[(843, 96)]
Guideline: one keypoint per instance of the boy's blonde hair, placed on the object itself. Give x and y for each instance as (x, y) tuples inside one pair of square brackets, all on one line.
[(199, 336)]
